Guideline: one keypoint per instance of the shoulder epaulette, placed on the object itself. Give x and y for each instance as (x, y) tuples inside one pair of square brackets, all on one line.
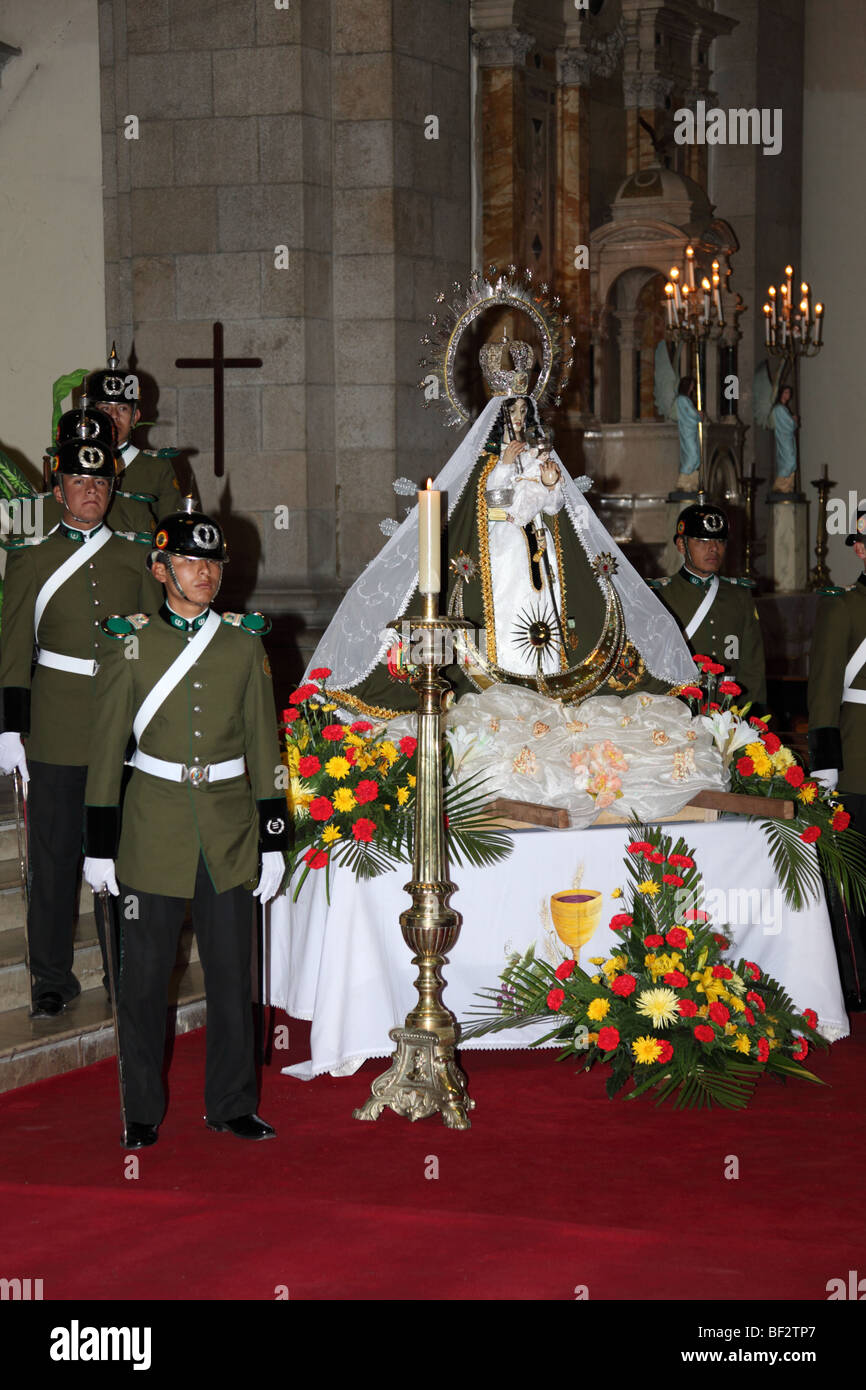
[(256, 624), (140, 537), (117, 626)]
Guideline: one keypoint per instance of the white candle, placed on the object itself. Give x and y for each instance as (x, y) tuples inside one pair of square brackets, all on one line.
[(429, 539)]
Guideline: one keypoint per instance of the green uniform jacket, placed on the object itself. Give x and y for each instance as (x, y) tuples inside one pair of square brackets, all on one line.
[(222, 708), (837, 731), (146, 475), (56, 707), (733, 614)]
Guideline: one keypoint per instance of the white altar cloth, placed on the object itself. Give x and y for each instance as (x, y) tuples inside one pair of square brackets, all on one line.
[(347, 968)]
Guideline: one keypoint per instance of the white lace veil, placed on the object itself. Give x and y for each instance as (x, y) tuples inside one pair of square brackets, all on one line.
[(358, 635)]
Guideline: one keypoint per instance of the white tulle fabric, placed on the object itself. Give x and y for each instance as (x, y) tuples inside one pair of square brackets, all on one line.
[(643, 755), (358, 636)]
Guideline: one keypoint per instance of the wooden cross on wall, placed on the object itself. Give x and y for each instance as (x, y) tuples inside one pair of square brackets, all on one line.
[(218, 363)]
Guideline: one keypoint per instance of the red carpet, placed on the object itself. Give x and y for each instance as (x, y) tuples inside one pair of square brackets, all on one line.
[(553, 1187)]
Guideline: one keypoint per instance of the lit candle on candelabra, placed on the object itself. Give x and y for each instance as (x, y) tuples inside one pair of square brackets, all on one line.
[(429, 539)]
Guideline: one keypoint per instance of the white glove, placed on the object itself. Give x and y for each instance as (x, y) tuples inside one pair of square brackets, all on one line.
[(273, 871), (12, 755), (828, 777), (99, 873)]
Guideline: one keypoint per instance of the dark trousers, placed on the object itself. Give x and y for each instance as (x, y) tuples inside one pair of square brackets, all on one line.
[(150, 925), (849, 925), (55, 821)]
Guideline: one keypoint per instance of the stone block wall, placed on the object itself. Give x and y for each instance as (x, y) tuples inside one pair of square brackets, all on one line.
[(301, 127)]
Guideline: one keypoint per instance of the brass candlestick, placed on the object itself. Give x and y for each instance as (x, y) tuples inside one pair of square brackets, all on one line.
[(424, 1077), (819, 577)]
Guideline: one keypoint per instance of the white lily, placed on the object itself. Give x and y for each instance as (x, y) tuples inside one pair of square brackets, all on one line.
[(729, 732)]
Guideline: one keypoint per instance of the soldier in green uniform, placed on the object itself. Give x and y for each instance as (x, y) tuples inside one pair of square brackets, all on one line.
[(718, 615), (837, 738), (147, 486), (201, 803), (57, 592)]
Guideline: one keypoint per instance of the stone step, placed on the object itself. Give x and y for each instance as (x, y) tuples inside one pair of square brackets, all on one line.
[(14, 986), (34, 1049)]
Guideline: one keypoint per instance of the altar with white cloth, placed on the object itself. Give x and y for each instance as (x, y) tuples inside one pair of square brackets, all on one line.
[(345, 967)]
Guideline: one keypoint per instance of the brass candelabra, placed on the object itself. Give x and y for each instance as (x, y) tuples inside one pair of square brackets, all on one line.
[(424, 1077)]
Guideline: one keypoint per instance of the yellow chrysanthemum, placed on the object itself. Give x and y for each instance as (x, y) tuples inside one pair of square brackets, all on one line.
[(598, 1009), (338, 768), (659, 1005), (402, 796), (646, 1049), (616, 893), (331, 832), (344, 799), (807, 793), (649, 887), (741, 1043)]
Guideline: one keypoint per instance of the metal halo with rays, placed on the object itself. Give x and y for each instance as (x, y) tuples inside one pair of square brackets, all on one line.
[(461, 307), (534, 633)]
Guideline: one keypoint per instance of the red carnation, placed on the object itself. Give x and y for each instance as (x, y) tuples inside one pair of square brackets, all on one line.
[(666, 1052), (677, 938), (811, 1017), (794, 776), (696, 914), (303, 693), (321, 673), (753, 998), (840, 821), (753, 970), (366, 791), (333, 732), (692, 692), (719, 1014), (721, 972), (620, 920), (811, 834), (408, 746), (771, 742), (654, 940), (361, 726), (749, 1017), (639, 846), (674, 879), (307, 766), (801, 1051), (316, 858), (676, 979), (556, 999), (321, 808), (364, 830), (608, 1039), (730, 688), (704, 1033), (563, 971), (745, 767), (763, 1049), (687, 1007), (624, 985), (290, 715)]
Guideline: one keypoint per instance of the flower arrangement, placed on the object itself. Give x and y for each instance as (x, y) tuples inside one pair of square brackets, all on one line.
[(669, 1009), (760, 765), (351, 794)]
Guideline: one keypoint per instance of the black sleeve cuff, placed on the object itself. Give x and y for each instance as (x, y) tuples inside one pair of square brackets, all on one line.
[(14, 710), (825, 748), (273, 823), (101, 831)]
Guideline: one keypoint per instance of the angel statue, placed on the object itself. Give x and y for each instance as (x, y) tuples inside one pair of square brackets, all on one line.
[(771, 405), (675, 400), (554, 605)]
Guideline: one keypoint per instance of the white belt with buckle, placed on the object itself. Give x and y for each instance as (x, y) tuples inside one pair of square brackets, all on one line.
[(853, 697), (76, 664), (180, 772)]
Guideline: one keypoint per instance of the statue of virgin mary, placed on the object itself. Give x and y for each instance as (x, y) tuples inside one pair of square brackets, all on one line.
[(555, 606)]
